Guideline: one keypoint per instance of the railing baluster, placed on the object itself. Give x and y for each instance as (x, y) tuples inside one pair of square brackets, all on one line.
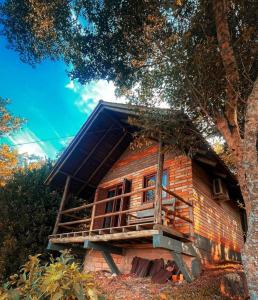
[(93, 211)]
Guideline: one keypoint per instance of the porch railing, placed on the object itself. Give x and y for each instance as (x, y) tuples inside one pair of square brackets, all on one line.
[(86, 224)]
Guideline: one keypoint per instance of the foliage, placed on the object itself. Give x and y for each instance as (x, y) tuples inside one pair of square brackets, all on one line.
[(30, 161), (196, 56), (8, 157), (162, 52), (27, 216), (8, 163), (59, 279), (225, 155), (8, 122)]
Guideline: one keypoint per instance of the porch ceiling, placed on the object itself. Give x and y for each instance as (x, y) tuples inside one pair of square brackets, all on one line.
[(102, 139)]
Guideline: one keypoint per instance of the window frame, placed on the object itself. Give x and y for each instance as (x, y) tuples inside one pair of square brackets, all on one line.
[(145, 177)]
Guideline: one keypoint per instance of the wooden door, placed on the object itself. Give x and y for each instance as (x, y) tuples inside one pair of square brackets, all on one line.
[(117, 205), (112, 206), (125, 202)]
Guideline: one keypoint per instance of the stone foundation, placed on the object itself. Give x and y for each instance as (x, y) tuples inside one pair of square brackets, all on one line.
[(94, 260)]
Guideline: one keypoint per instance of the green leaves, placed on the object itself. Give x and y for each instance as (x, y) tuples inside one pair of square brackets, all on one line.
[(27, 216)]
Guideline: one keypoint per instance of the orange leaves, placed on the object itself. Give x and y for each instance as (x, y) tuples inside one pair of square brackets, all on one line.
[(8, 163), (179, 2), (7, 121)]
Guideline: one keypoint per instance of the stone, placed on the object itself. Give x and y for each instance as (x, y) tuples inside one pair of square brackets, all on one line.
[(232, 286)]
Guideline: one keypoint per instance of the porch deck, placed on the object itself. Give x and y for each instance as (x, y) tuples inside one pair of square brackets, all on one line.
[(129, 233)]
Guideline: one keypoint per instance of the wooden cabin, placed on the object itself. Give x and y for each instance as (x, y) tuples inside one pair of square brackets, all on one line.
[(143, 202)]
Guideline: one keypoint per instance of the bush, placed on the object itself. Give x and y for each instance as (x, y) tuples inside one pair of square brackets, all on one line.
[(27, 216), (59, 279)]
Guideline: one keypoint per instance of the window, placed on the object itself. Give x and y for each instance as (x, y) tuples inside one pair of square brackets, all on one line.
[(150, 180)]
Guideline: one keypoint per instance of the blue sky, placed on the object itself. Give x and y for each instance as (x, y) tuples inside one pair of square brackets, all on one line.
[(54, 106)]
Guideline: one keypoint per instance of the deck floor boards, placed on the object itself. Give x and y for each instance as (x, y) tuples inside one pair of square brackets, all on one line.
[(124, 233)]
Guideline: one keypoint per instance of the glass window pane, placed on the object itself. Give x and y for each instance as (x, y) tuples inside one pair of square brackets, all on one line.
[(150, 181), (164, 183)]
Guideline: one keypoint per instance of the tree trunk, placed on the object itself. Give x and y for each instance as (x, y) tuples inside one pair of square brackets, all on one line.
[(250, 251), (247, 174), (248, 180), (244, 147)]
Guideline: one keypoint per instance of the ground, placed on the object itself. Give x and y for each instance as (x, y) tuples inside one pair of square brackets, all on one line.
[(220, 282)]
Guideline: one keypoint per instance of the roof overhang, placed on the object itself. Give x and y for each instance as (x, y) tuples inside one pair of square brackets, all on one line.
[(99, 143), (102, 139)]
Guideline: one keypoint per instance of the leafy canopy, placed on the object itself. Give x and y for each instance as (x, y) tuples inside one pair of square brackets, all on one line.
[(8, 122), (8, 163), (124, 40), (155, 52)]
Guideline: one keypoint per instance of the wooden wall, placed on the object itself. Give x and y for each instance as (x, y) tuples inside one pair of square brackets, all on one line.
[(135, 164), (216, 221)]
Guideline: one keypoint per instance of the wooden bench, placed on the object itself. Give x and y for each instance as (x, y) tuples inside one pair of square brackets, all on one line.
[(147, 215)]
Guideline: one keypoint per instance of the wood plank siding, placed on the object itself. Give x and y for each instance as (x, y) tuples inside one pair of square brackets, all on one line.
[(134, 165), (215, 220)]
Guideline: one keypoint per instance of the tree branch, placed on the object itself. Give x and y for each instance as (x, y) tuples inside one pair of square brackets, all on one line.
[(229, 63)]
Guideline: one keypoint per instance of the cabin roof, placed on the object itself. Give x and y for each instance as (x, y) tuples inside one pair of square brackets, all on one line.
[(101, 140)]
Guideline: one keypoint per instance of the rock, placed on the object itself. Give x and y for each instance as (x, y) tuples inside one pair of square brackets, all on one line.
[(232, 285)]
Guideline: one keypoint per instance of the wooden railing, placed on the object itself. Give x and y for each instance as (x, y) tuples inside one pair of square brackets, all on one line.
[(176, 214), (92, 207), (87, 223)]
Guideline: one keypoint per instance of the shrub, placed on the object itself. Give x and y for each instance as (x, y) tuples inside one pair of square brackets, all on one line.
[(59, 279), (27, 216)]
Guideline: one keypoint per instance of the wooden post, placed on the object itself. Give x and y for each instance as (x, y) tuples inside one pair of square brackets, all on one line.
[(158, 186), (94, 210), (109, 260), (62, 204), (191, 217)]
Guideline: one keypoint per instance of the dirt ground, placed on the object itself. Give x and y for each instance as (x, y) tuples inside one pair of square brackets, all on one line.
[(221, 282)]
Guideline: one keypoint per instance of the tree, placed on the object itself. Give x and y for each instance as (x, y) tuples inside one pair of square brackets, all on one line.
[(8, 163), (8, 157), (27, 216), (197, 56), (8, 122)]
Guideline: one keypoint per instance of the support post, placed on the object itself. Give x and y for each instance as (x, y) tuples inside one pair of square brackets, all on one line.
[(158, 186), (60, 247), (182, 266), (62, 204), (93, 211), (109, 260)]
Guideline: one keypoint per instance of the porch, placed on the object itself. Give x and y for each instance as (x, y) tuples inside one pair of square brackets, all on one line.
[(148, 225), (136, 224)]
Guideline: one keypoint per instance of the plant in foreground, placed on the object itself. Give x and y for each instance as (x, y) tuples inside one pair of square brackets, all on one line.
[(59, 279)]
